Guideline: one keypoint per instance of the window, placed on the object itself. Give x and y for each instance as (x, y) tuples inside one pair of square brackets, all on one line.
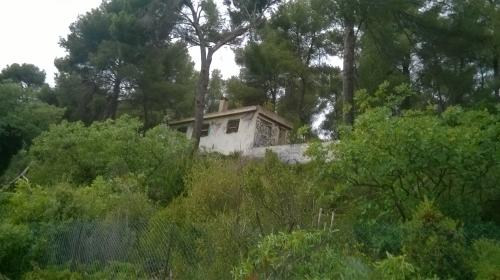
[(232, 126), (182, 129), (204, 130)]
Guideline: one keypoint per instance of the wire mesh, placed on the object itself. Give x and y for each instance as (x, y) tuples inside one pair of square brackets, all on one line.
[(117, 246)]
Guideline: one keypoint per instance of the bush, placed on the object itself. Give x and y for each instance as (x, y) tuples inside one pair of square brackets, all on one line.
[(398, 162), (230, 203), (111, 271), (378, 239), (77, 154), (23, 117), (279, 197), (53, 274), (486, 259), (435, 244), (301, 255), (45, 225), (64, 202), (394, 268), (15, 245)]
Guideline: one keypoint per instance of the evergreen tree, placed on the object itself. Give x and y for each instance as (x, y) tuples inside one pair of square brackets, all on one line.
[(205, 26), (121, 53)]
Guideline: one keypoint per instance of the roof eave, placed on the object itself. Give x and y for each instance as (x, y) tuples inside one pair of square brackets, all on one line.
[(218, 115), (275, 117)]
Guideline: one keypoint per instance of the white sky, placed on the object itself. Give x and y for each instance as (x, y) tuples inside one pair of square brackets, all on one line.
[(30, 31)]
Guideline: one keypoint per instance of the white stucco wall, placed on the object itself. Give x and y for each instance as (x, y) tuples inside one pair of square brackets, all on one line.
[(286, 153), (220, 141)]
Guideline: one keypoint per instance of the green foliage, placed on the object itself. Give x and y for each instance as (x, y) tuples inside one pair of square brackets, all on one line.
[(15, 244), (389, 164), (394, 268), (201, 229), (171, 246), (23, 114), (25, 75), (78, 154), (125, 199), (486, 263), (113, 271), (283, 65), (23, 117), (35, 215), (278, 196), (229, 204), (119, 271), (300, 255), (435, 244), (242, 218), (378, 239), (213, 186), (54, 273), (33, 204), (121, 59), (383, 96), (215, 92)]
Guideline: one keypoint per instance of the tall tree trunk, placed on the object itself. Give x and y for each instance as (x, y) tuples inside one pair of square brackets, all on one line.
[(201, 92), (348, 72), (300, 107), (406, 103), (83, 111), (496, 74), (112, 104), (274, 98), (273, 90)]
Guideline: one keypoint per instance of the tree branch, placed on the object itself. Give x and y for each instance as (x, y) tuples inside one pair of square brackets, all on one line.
[(229, 37)]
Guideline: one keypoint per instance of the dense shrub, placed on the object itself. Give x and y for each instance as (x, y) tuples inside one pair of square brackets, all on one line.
[(393, 163), (435, 244), (36, 218), (23, 117), (77, 154), (279, 196), (52, 273), (486, 259), (229, 204), (63, 202), (394, 268), (108, 202), (112, 271), (377, 239), (301, 255), (15, 246)]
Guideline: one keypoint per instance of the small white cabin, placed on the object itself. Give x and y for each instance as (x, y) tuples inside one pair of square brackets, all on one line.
[(238, 130)]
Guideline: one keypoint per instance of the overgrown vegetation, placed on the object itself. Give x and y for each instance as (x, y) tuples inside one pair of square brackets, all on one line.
[(405, 197), (95, 185)]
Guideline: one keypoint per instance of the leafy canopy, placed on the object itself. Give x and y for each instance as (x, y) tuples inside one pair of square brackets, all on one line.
[(77, 154)]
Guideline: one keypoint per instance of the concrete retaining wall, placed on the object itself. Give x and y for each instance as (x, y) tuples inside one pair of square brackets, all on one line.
[(286, 153)]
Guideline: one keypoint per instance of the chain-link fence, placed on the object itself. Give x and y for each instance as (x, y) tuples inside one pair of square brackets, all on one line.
[(117, 249)]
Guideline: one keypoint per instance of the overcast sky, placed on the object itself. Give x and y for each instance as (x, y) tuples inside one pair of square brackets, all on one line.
[(30, 31)]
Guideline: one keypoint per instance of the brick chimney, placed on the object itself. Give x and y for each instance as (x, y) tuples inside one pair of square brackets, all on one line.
[(223, 104)]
